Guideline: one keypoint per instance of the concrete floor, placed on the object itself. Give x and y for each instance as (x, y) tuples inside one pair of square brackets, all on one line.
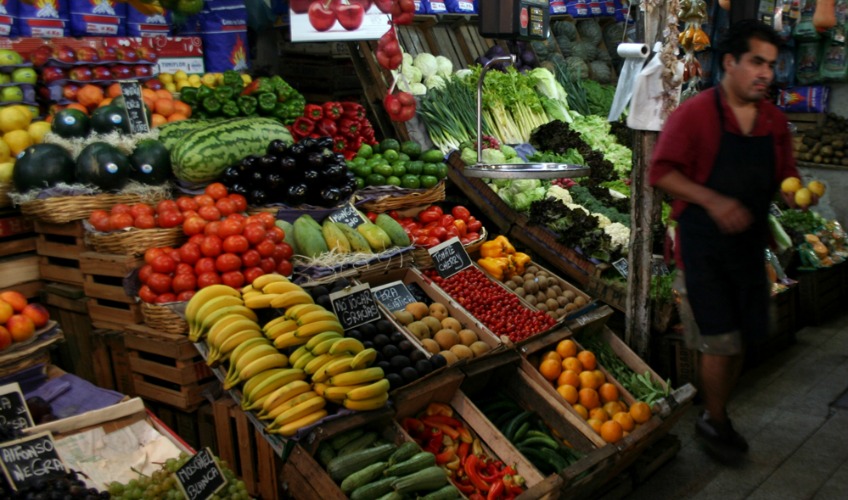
[(799, 443)]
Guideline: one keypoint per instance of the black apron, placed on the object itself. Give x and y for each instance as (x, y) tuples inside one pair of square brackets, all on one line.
[(726, 281)]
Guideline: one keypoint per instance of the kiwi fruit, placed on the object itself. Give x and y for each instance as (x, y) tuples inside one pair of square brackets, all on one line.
[(531, 287), (579, 301)]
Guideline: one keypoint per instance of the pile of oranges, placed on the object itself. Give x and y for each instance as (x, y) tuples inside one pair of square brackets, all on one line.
[(578, 380)]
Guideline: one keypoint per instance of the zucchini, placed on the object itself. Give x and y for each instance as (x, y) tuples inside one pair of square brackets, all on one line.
[(540, 442), (338, 441), (341, 467), (427, 479), (360, 443), (520, 433), (414, 464), (363, 477), (404, 452), (554, 459), (325, 453), (392, 495), (447, 492), (373, 490), (515, 423)]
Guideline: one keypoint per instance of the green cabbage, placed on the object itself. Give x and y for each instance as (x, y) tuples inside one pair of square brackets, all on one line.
[(444, 66), (426, 63), (576, 68), (587, 51), (566, 28)]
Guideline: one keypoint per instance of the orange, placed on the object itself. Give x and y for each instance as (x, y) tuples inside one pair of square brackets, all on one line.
[(150, 103), (608, 392), (175, 117), (164, 94), (148, 94), (114, 90), (567, 348), (595, 424), (552, 355), (568, 377), (183, 108), (640, 412), (625, 421), (581, 410), (568, 393), (599, 377), (611, 431), (589, 398), (105, 102), (77, 106), (550, 369), (588, 380), (573, 364), (600, 414), (164, 107), (613, 407), (587, 358), (156, 119)]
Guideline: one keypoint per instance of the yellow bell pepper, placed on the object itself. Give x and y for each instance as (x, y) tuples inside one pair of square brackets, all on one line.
[(520, 261), (505, 244), (498, 267), (498, 247)]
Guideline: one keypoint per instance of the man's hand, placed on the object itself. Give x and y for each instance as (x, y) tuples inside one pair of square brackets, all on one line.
[(730, 215)]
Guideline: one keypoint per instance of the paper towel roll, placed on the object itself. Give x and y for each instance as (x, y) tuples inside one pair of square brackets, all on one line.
[(633, 50)]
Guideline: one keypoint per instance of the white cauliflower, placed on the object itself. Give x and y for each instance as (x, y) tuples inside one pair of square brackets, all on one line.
[(603, 220), (559, 193), (619, 234), (575, 206)]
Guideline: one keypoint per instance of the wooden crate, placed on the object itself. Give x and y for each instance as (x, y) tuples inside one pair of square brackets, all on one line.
[(110, 361), (821, 293), (196, 428), (16, 234), (17, 270), (247, 452), (59, 247), (68, 305), (663, 314), (103, 282), (167, 368)]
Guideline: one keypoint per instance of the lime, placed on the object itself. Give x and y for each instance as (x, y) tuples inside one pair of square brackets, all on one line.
[(411, 148), (414, 167), (389, 144), (383, 169), (393, 180), (359, 160), (375, 180), (410, 181), (360, 182), (363, 171), (390, 155), (365, 151), (443, 170), (430, 169), (398, 169), (428, 181), (404, 157)]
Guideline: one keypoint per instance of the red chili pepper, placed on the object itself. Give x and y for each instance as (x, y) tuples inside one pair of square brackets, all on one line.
[(496, 490), (313, 111), (349, 128), (471, 467), (476, 496), (353, 110), (446, 429), (434, 441), (463, 486), (303, 126), (446, 456), (463, 450), (442, 419), (327, 127), (332, 110)]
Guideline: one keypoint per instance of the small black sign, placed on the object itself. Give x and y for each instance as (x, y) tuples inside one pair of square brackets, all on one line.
[(355, 306), (395, 296), (200, 477), (658, 268), (449, 257), (349, 216), (131, 90), (30, 459), (621, 266), (775, 210), (13, 408)]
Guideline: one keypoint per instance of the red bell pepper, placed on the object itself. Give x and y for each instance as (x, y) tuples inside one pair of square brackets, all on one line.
[(339, 144), (353, 110), (327, 127), (302, 127), (463, 450), (476, 496), (463, 486), (446, 429), (332, 110), (313, 111), (434, 441), (471, 466), (349, 128), (357, 143)]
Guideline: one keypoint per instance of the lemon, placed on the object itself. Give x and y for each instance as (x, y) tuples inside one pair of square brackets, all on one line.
[(6, 169), (193, 79), (5, 152), (791, 185), (208, 79), (803, 197), (219, 78), (170, 87), (181, 84), (37, 130), (180, 75), (817, 188), (18, 140), (14, 118), (166, 78), (246, 79)]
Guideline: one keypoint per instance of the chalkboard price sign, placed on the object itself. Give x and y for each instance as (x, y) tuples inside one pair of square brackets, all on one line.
[(200, 477), (355, 306), (131, 90), (775, 210), (395, 296), (349, 216), (658, 268), (30, 459), (621, 266), (449, 257), (13, 409)]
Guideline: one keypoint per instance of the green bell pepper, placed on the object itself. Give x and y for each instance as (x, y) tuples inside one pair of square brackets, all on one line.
[(247, 105), (212, 105), (230, 109), (267, 103), (189, 95), (233, 79)]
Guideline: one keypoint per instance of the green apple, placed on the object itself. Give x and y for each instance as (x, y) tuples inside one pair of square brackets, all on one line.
[(9, 57), (5, 78), (24, 75), (6, 171), (11, 94)]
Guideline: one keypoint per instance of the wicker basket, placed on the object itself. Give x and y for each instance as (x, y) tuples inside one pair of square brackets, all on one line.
[(64, 209), (134, 241), (423, 260), (162, 318), (4, 195), (405, 199)]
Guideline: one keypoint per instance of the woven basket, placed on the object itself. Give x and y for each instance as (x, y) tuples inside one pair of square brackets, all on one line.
[(410, 199), (423, 260), (4, 195), (163, 318), (64, 209), (135, 241)]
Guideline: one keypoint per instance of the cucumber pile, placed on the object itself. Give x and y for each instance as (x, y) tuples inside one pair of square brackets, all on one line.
[(367, 467)]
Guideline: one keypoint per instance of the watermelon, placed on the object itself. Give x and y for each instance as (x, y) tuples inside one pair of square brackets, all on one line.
[(102, 165), (71, 123), (151, 163), (42, 165), (106, 119)]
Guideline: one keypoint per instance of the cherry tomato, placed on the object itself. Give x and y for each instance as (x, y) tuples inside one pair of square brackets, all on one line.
[(211, 246), (152, 253), (216, 190), (285, 268), (372, 216), (204, 265), (144, 221), (474, 225), (439, 232), (206, 279), (266, 248), (432, 241), (234, 279), (461, 226), (190, 253), (236, 243), (394, 214), (166, 206), (185, 296), (170, 218), (240, 201), (472, 236), (163, 264), (145, 272), (120, 220), (254, 233), (460, 212), (428, 215), (159, 283), (186, 203), (194, 225), (253, 272), (227, 262), (209, 212), (146, 294), (251, 258), (184, 282), (451, 231), (120, 208), (446, 220)]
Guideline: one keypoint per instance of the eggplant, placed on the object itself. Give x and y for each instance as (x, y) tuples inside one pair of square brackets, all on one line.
[(277, 147), (275, 180), (325, 142), (495, 51), (231, 175), (257, 197), (314, 160), (311, 176), (347, 190), (297, 150), (249, 161), (296, 194), (333, 173), (328, 157), (256, 178), (269, 163), (238, 188), (309, 144), (330, 196), (288, 165)]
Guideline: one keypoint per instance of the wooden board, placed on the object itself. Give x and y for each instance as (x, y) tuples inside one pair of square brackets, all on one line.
[(75, 355), (60, 270), (31, 289), (110, 361), (110, 314), (18, 244), (18, 269), (822, 293), (64, 241)]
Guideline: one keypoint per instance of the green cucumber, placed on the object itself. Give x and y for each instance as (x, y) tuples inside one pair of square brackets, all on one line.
[(519, 434), (447, 492), (417, 462), (515, 423), (363, 477), (427, 479), (338, 441), (554, 459), (374, 489), (360, 443), (545, 442), (341, 467), (404, 452), (325, 453)]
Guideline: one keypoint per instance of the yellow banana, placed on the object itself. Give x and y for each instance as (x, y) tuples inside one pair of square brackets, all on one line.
[(288, 299), (227, 326), (287, 340), (313, 316), (347, 345), (280, 328), (281, 378), (374, 403), (271, 409), (357, 377), (259, 300), (262, 281), (303, 361), (249, 356), (214, 316), (364, 359), (340, 366), (291, 428), (304, 408), (270, 324), (247, 289), (296, 311), (317, 363), (258, 366), (318, 327), (233, 341), (282, 394), (203, 296), (243, 348), (321, 337), (251, 384), (279, 287), (323, 373), (337, 394), (324, 347), (216, 304), (300, 351), (319, 388), (370, 391)]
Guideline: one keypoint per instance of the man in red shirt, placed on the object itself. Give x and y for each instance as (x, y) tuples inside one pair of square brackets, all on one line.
[(722, 155)]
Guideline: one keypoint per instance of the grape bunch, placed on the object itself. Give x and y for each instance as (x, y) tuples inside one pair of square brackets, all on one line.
[(162, 484), (66, 487)]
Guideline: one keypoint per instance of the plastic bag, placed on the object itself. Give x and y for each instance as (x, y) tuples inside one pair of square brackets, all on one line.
[(646, 105)]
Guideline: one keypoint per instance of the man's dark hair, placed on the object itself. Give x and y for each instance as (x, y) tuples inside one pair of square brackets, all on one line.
[(736, 40)]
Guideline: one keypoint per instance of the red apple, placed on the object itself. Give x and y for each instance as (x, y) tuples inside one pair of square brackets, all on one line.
[(366, 4), (142, 70), (101, 73), (52, 73), (37, 313), (385, 6), (41, 55), (299, 6), (20, 327), (69, 91), (107, 54), (5, 338), (64, 53), (350, 16), (126, 54), (81, 74), (320, 17), (121, 72), (87, 54), (154, 83), (147, 54)]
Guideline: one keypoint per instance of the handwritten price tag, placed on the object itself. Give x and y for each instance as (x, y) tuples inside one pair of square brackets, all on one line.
[(349, 216), (13, 408), (355, 306), (30, 459), (449, 257), (200, 477), (395, 296), (131, 90)]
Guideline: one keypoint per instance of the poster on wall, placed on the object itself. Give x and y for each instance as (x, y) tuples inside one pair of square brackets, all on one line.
[(338, 20)]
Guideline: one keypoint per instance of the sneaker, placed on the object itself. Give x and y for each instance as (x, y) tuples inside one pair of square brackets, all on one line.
[(720, 435)]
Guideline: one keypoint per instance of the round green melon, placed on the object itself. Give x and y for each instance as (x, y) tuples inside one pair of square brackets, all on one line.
[(42, 165), (104, 166), (151, 163), (71, 123)]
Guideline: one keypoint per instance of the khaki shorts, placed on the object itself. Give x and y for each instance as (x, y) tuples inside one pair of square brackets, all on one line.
[(725, 344)]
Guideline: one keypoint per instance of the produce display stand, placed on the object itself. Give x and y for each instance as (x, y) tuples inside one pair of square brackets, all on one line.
[(822, 293), (59, 246)]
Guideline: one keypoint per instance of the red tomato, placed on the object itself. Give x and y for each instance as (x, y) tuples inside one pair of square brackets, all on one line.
[(163, 264), (216, 190), (283, 251), (428, 215), (268, 219), (184, 282), (226, 206), (446, 220), (236, 244), (266, 248), (190, 253), (275, 234), (452, 231), (209, 213), (230, 227), (186, 203), (285, 268), (372, 216), (251, 258), (268, 265), (204, 265), (97, 215), (166, 205), (234, 279), (461, 226), (206, 279), (120, 208), (394, 214), (253, 272), (194, 225), (472, 236), (460, 212), (211, 246), (238, 216), (159, 283), (103, 224), (185, 296), (431, 242), (190, 213), (227, 262), (211, 228), (204, 200), (144, 221), (141, 209), (183, 268), (240, 201), (171, 218), (173, 253), (120, 220), (197, 239), (146, 294), (254, 233), (474, 225), (152, 253), (145, 272), (439, 232), (165, 298)]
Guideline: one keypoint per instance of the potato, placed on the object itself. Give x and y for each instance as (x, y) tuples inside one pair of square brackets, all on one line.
[(510, 284), (533, 269), (551, 293), (563, 301), (568, 294), (520, 291)]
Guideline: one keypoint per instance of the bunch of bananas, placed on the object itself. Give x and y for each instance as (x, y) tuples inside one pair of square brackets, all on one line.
[(212, 304)]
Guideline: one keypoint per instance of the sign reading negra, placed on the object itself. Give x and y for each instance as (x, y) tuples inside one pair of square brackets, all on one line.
[(621, 266), (131, 90), (348, 215), (449, 257), (30, 459), (13, 409), (395, 296), (200, 477), (355, 306)]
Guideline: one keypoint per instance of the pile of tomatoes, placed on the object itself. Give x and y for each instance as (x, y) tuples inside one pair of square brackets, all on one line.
[(433, 226)]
